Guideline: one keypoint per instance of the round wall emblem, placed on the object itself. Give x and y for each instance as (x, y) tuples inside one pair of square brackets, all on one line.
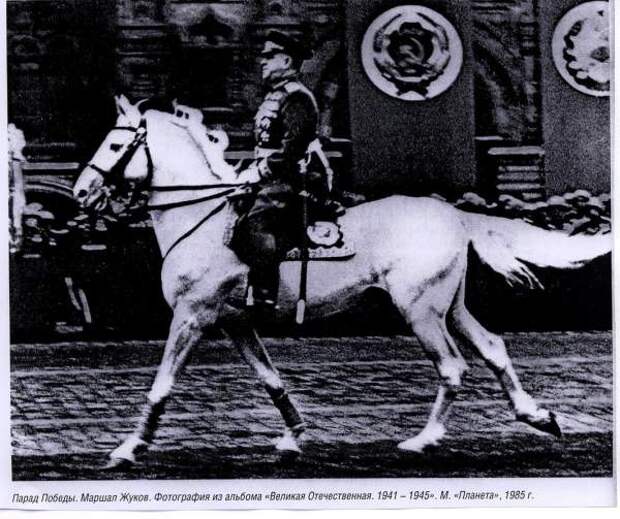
[(581, 49), (412, 53)]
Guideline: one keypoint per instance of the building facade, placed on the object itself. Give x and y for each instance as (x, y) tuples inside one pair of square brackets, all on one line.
[(502, 125), (508, 123)]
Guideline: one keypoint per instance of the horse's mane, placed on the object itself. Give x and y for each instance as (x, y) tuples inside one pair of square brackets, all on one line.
[(160, 121), (155, 103), (211, 155)]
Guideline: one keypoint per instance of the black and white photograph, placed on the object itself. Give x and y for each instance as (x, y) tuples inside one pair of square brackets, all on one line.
[(324, 253)]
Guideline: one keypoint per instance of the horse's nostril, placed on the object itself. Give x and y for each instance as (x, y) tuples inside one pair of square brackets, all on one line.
[(81, 193)]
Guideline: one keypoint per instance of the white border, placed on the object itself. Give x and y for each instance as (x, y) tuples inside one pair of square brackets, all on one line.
[(5, 421), (539, 492), (562, 492)]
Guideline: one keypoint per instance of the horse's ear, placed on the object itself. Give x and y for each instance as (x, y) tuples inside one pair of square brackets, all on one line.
[(119, 107), (124, 105)]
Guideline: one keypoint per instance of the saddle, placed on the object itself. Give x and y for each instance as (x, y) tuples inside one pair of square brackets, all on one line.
[(326, 237)]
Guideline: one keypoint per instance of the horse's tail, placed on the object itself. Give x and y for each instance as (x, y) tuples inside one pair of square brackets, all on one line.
[(504, 244)]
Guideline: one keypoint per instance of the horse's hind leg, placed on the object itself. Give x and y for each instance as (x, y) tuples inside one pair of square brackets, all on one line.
[(431, 331), (493, 351), (186, 330), (425, 309), (254, 353)]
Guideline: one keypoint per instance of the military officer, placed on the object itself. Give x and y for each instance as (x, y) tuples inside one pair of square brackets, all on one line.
[(285, 132)]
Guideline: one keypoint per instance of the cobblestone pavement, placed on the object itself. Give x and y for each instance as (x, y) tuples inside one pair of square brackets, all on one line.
[(81, 399)]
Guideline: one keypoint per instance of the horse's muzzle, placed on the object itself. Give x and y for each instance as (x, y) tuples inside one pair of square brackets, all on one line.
[(88, 190)]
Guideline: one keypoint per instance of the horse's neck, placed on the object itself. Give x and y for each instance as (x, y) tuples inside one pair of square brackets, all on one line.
[(171, 224), (179, 161)]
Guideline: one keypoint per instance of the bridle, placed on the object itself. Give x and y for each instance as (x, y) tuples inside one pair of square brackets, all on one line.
[(139, 139), (114, 175)]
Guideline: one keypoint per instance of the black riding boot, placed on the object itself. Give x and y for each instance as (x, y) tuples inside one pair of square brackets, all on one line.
[(262, 256), (265, 280)]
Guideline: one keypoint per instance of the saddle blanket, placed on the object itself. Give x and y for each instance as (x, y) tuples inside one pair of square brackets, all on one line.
[(326, 241)]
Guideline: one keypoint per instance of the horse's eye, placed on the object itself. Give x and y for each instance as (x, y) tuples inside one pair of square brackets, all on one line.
[(115, 147)]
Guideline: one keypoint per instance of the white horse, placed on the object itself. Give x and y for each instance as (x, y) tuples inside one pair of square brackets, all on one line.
[(415, 249)]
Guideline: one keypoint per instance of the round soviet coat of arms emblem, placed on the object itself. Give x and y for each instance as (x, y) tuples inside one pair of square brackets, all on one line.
[(412, 53), (581, 50)]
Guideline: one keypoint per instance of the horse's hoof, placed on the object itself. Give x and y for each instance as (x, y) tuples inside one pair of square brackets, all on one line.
[(549, 425), (553, 427), (418, 443), (285, 444), (288, 443), (125, 454), (428, 437), (118, 464), (412, 445)]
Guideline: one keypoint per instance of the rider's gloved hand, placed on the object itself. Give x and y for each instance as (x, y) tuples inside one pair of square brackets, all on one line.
[(250, 175)]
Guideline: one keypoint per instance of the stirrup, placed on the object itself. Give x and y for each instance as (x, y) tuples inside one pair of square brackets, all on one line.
[(259, 303), (266, 308)]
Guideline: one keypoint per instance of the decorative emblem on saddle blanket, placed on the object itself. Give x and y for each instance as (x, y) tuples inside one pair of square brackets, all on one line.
[(326, 242)]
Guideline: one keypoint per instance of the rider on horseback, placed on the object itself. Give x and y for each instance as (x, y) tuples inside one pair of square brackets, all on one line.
[(288, 163)]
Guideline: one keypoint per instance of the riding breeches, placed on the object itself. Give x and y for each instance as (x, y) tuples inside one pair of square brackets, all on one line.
[(262, 237)]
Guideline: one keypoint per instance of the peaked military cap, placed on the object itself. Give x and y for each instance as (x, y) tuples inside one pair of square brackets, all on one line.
[(278, 41)]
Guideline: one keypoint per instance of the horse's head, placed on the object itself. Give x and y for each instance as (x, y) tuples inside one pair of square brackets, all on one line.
[(122, 150), (171, 156)]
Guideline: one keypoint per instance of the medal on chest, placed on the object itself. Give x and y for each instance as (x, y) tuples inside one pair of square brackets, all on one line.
[(265, 116)]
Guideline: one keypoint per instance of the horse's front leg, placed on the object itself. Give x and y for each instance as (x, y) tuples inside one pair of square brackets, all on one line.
[(253, 351), (186, 330)]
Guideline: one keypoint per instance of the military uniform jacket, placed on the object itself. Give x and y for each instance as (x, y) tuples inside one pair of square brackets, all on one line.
[(285, 124)]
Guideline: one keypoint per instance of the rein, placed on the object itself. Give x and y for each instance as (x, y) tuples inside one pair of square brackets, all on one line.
[(140, 140), (184, 203), (192, 187), (191, 231)]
